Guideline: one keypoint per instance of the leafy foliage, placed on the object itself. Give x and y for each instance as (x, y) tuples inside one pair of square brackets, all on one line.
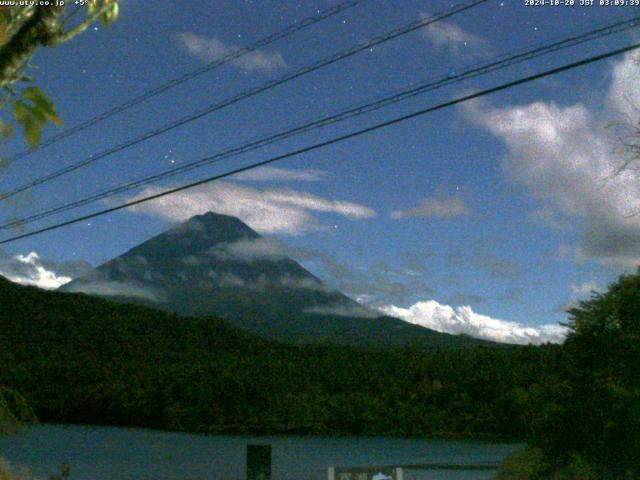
[(23, 29), (588, 417), (14, 411), (32, 111), (524, 464), (10, 472), (107, 10), (531, 464)]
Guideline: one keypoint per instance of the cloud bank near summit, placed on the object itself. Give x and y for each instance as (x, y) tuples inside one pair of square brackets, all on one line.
[(281, 211)]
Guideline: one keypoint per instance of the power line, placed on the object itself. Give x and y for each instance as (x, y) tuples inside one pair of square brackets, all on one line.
[(461, 7), (500, 63), (334, 140), (159, 89)]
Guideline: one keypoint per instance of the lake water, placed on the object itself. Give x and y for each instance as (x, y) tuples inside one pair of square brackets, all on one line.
[(100, 453)]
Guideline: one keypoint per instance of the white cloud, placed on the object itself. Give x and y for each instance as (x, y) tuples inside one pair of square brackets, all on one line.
[(265, 174), (449, 36), (438, 206), (210, 49), (267, 282), (30, 270), (109, 288), (463, 320), (342, 310), (568, 160), (623, 93), (250, 249), (268, 211), (308, 201), (547, 217)]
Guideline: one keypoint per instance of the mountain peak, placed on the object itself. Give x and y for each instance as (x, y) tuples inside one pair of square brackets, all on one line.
[(195, 236), (217, 227), (213, 217), (216, 265)]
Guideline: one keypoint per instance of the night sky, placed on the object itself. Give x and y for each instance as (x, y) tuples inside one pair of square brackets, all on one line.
[(504, 208)]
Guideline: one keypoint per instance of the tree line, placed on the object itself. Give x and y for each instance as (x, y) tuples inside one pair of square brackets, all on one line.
[(80, 359)]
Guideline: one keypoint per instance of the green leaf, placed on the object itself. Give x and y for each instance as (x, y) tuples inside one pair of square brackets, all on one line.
[(20, 110), (92, 6), (31, 119), (5, 23), (32, 111), (110, 15), (38, 97), (43, 103), (32, 131)]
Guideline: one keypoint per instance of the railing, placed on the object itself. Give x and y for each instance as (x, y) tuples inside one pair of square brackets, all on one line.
[(397, 472), (259, 467)]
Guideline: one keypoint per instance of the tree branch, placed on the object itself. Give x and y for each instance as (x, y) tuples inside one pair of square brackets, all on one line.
[(78, 29), (40, 29)]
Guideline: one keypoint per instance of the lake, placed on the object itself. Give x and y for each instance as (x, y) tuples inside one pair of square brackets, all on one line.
[(103, 453)]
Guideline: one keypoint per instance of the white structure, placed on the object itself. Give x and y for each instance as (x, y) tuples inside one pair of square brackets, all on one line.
[(364, 473)]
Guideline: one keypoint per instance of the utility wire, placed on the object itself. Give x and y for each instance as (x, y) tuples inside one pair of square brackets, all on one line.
[(234, 55), (342, 138), (500, 63), (461, 7)]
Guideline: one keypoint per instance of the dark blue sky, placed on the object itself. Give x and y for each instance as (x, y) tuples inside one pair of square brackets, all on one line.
[(502, 205)]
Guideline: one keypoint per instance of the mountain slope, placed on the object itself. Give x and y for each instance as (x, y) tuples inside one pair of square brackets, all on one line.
[(216, 265)]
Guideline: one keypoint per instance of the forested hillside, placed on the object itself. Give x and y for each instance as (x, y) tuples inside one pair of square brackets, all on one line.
[(80, 359), (587, 420)]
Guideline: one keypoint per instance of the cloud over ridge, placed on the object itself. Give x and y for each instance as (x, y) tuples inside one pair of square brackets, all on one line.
[(283, 211)]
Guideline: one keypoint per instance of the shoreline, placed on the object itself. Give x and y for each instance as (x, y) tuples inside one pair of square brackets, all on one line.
[(239, 434)]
